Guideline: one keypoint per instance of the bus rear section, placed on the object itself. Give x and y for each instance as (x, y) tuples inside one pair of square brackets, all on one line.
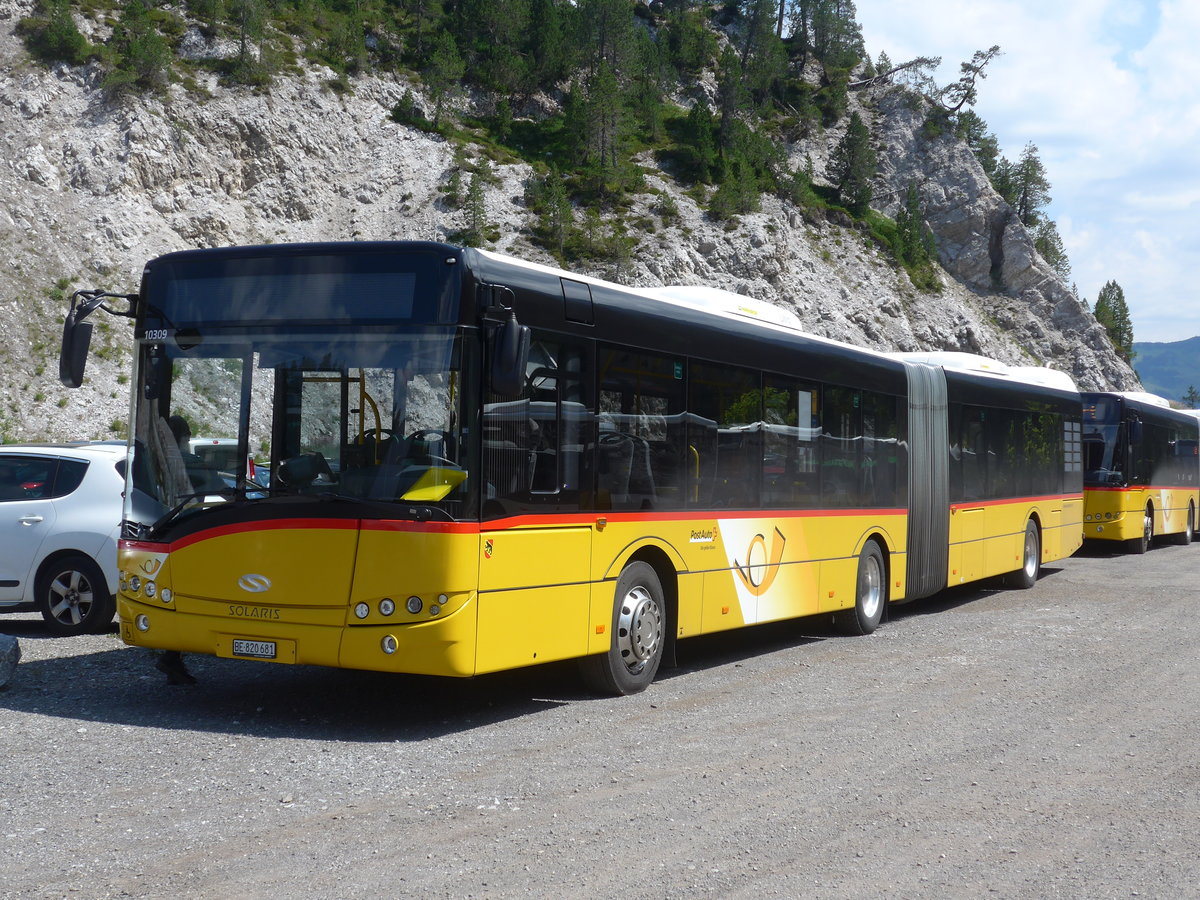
[(1142, 471), (1007, 497)]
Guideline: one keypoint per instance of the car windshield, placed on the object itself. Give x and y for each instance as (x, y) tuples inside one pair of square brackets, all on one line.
[(372, 419)]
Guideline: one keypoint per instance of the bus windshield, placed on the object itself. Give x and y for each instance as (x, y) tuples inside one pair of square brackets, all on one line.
[(374, 419), (1103, 441)]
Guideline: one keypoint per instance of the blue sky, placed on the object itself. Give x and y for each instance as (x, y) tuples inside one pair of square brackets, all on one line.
[(1109, 91)]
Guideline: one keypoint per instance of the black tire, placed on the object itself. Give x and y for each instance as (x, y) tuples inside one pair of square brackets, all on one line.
[(638, 633), (1142, 544), (870, 594), (1188, 534), (1031, 559), (73, 596)]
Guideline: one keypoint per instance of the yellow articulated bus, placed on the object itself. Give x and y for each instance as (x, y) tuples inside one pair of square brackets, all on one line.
[(1142, 470), (477, 464)]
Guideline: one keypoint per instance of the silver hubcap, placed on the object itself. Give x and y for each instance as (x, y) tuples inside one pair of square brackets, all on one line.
[(639, 628), (870, 587), (1031, 553), (70, 598), (1148, 527)]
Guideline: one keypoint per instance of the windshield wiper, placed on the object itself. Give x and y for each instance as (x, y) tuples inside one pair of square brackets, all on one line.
[(226, 493)]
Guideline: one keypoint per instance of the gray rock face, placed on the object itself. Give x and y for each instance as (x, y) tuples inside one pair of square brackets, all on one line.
[(89, 190), (10, 655), (983, 245)]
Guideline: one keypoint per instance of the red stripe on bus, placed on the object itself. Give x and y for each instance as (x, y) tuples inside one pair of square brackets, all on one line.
[(1049, 498), (243, 528), (681, 516), (1143, 487)]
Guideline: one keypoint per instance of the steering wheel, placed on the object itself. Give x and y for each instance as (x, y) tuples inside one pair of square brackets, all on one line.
[(444, 437)]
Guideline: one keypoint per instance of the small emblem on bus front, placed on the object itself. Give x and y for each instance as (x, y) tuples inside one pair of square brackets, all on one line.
[(255, 584)]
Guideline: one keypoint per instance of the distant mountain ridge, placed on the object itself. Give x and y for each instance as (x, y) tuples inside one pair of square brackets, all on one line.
[(1169, 369)]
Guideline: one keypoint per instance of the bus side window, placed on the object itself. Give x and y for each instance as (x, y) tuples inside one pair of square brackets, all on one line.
[(881, 451), (534, 447), (841, 443), (641, 440), (790, 471), (973, 454), (733, 399)]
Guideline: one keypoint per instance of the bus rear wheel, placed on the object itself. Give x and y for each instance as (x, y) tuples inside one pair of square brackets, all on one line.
[(638, 634), (1188, 534), (870, 594), (1142, 544), (1031, 559)]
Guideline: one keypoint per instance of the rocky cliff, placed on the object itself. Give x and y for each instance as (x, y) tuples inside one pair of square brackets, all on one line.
[(90, 189)]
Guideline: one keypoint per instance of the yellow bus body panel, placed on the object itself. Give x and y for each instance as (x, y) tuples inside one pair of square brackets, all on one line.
[(534, 595), (740, 570), (318, 576), (1115, 514), (492, 598), (988, 539)]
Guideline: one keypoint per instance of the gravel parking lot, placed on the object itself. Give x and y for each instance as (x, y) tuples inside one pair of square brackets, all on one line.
[(1039, 743)]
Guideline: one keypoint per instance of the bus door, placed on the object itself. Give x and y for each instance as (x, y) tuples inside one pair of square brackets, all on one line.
[(535, 550)]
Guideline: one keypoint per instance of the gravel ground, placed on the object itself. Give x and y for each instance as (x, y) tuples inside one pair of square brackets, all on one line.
[(1039, 743)]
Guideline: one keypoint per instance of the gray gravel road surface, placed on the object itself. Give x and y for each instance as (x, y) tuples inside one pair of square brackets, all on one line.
[(1039, 743)]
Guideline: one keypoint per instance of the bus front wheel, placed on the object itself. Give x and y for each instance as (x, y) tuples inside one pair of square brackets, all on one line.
[(870, 594), (1142, 544), (637, 635)]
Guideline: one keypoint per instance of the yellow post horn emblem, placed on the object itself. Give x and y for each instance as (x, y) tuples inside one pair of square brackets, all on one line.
[(759, 576)]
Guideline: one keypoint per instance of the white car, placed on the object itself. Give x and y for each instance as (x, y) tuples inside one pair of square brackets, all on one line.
[(60, 515)]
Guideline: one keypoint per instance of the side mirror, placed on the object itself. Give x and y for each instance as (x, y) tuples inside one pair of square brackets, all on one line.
[(510, 355), (76, 339)]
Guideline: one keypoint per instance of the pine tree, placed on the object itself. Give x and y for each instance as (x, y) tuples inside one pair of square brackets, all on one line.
[(51, 34), (690, 45), (546, 46), (910, 228), (963, 92), (1031, 187), (443, 74), (698, 139), (1048, 242), (852, 166), (828, 31), (248, 18), (557, 214), (475, 232), (1112, 312), (141, 53), (972, 129), (731, 98), (763, 57)]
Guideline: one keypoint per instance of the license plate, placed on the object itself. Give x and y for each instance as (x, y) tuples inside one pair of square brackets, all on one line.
[(255, 649)]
